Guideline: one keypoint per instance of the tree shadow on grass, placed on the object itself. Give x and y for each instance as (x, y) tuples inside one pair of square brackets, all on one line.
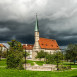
[(70, 64), (74, 76)]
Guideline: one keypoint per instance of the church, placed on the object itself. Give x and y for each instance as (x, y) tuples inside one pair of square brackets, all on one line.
[(45, 44)]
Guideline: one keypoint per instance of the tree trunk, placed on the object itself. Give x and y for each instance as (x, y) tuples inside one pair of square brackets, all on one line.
[(0, 58), (74, 60), (67, 60), (57, 66), (44, 59)]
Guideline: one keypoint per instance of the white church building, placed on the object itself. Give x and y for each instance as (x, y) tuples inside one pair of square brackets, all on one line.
[(48, 45)]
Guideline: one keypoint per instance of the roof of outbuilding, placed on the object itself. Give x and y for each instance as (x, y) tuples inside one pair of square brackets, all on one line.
[(48, 44), (1, 45), (27, 47)]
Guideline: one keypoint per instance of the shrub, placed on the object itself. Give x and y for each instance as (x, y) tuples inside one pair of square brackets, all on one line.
[(4, 54)]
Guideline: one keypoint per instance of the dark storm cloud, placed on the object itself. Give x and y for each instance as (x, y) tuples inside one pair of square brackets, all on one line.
[(57, 20), (15, 30), (29, 39)]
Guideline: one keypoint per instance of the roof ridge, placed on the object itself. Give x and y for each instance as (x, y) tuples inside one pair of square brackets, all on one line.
[(47, 38)]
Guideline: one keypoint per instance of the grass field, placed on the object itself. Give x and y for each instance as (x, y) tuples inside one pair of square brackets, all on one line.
[(30, 62), (23, 73), (3, 62), (37, 62), (68, 64), (42, 62)]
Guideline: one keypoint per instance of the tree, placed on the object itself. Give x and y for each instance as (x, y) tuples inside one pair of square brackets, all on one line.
[(67, 55), (57, 58), (41, 54), (54, 58), (71, 52), (0, 52), (50, 58), (4, 54), (15, 55), (25, 53)]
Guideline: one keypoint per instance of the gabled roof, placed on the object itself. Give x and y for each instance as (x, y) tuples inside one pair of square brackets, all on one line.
[(27, 47), (48, 44), (1, 45)]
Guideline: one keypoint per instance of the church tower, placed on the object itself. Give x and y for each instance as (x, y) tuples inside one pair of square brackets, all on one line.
[(36, 35), (36, 47)]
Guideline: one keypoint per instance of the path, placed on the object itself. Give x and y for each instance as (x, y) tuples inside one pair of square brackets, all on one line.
[(45, 67)]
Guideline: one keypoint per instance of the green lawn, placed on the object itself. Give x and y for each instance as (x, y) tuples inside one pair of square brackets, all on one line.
[(23, 73), (68, 64), (40, 62), (37, 62), (3, 62), (30, 62)]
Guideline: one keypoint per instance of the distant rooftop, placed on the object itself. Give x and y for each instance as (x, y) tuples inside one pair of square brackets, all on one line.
[(27, 46)]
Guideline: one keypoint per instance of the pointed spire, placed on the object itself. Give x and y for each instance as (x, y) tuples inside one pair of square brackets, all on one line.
[(36, 25)]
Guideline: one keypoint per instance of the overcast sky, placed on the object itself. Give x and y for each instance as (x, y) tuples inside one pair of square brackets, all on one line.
[(57, 20)]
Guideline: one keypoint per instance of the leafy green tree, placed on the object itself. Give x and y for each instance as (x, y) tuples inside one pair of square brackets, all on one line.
[(25, 53), (41, 54), (67, 55), (0, 52), (15, 55), (54, 58), (4, 54), (57, 58), (72, 52), (50, 58)]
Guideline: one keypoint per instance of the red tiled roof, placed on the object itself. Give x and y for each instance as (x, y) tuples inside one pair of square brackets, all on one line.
[(1, 45), (27, 47), (48, 44)]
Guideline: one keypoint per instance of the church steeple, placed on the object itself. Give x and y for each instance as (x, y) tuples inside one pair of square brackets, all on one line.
[(36, 44), (36, 25)]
